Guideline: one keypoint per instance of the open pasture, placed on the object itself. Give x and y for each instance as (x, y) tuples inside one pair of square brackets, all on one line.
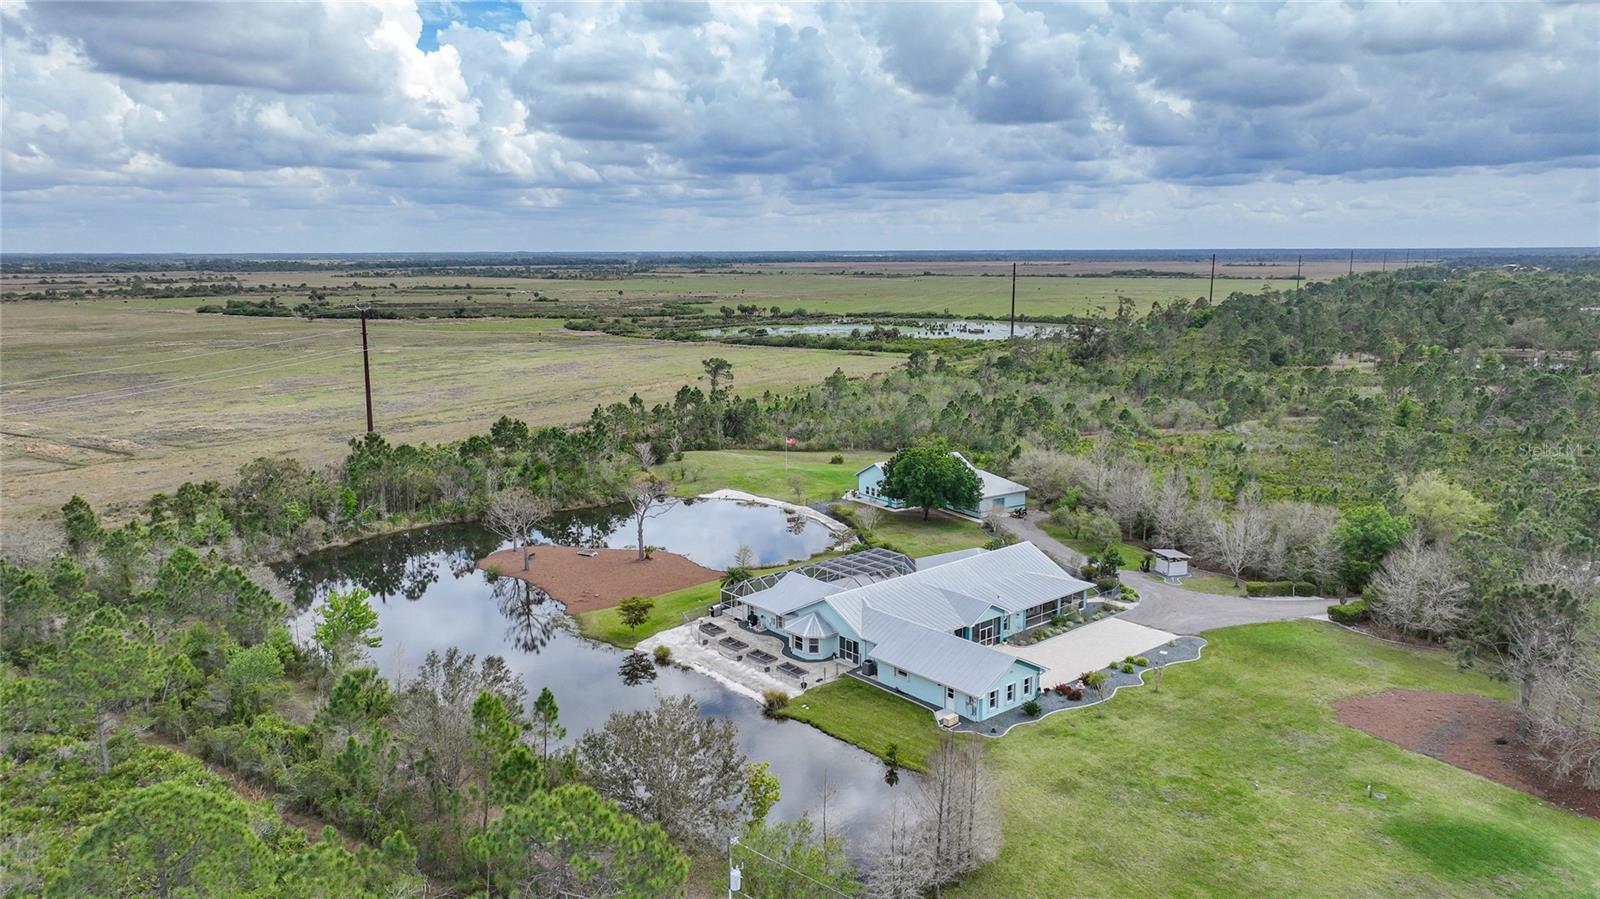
[(962, 294), (116, 401)]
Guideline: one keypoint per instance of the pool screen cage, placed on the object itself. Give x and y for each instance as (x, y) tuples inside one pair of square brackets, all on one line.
[(864, 567)]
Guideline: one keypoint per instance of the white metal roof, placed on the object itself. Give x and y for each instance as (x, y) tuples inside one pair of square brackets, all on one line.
[(938, 559), (794, 591), (938, 656), (1013, 578), (810, 625), (991, 484), (1171, 554)]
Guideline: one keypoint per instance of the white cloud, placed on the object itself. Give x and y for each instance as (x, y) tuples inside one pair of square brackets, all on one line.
[(698, 125)]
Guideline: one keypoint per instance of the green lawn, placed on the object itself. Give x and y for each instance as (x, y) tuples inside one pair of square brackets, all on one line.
[(866, 716), (1131, 555), (607, 626), (763, 472), (911, 535), (1235, 780), (1219, 584)]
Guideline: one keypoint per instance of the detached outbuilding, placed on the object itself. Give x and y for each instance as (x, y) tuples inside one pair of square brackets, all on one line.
[(1171, 564), (998, 493)]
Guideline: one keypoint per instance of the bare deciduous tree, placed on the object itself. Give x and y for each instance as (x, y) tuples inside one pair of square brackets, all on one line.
[(960, 807), (1048, 474), (649, 496), (898, 856), (515, 515), (867, 517), (1127, 495), (1418, 589), (1241, 540), (1169, 509), (1303, 546)]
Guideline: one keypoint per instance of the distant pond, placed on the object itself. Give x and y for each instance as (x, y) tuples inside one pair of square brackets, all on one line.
[(709, 531), (429, 597), (958, 329)]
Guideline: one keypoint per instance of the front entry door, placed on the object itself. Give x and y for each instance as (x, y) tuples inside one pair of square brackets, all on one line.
[(987, 632), (949, 699)]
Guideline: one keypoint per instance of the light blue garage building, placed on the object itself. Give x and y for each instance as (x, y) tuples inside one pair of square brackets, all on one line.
[(996, 492), (925, 628)]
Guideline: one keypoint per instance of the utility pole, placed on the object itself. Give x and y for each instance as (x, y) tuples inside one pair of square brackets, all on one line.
[(1297, 261), (366, 368), (1385, 261), (1013, 299), (1211, 295), (1352, 262)]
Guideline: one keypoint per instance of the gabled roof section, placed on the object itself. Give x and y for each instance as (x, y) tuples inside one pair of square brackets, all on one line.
[(940, 657), (935, 561), (992, 484), (793, 592), (1012, 579)]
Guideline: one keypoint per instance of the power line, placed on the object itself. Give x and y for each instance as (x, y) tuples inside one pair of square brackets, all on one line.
[(99, 371), (829, 887)]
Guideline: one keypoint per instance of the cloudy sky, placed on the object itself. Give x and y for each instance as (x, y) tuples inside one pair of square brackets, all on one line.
[(349, 126)]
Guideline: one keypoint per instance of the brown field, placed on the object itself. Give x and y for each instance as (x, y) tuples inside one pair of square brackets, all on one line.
[(116, 401)]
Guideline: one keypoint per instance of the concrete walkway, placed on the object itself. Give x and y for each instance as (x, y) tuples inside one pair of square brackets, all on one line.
[(1181, 611), (1026, 529)]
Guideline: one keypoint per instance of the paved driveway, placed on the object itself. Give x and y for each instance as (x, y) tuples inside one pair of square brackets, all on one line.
[(1094, 645), (1026, 529), (1181, 611)]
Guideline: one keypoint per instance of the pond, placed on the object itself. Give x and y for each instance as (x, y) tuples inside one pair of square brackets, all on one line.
[(429, 597), (709, 531), (959, 329)]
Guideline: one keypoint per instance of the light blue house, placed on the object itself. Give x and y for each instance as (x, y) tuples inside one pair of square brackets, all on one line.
[(925, 629), (997, 492)]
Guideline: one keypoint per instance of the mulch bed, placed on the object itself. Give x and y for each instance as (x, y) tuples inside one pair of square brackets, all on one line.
[(1460, 729), (584, 584)]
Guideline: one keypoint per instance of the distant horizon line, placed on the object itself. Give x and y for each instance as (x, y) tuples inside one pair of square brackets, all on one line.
[(1325, 248)]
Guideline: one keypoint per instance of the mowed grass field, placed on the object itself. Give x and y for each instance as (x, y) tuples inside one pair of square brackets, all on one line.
[(116, 401), (1235, 779)]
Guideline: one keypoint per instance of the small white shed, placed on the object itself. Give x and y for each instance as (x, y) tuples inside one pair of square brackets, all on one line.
[(1171, 564)]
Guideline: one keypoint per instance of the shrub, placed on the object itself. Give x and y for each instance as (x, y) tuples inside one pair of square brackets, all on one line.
[(838, 459), (1074, 694), (1266, 588), (1061, 689), (1142, 661), (663, 655), (1031, 708), (1058, 621), (1105, 584), (1349, 612), (773, 701), (1127, 658), (1127, 667)]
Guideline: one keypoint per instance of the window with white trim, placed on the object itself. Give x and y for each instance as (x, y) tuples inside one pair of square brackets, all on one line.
[(1011, 692), (994, 698), (899, 672), (1027, 686)]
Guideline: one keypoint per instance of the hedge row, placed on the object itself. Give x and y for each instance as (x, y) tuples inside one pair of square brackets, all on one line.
[(1280, 588)]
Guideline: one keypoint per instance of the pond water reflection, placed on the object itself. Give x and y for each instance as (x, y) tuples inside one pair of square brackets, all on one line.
[(438, 600), (960, 329), (709, 531)]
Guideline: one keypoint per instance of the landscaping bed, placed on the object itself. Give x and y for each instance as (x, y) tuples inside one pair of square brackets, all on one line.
[(584, 580), (1473, 733)]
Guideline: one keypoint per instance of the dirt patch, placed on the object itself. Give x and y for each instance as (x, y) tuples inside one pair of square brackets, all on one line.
[(585, 583), (1462, 730)]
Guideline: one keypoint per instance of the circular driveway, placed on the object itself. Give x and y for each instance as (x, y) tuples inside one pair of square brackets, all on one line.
[(1181, 611)]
